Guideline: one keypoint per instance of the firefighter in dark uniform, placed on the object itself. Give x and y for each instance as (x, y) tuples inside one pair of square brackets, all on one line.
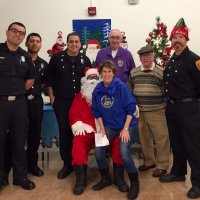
[(182, 86), (16, 76), (35, 104), (65, 70)]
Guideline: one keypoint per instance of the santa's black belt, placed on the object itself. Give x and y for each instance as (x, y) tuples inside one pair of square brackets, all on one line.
[(185, 100)]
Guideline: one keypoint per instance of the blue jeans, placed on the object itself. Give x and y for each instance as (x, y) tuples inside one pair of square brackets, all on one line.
[(125, 150)]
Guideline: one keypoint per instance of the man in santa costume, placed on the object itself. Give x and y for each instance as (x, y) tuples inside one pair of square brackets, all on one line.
[(83, 127)]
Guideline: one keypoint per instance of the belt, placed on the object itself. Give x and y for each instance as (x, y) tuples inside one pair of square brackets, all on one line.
[(11, 98), (185, 100), (31, 97)]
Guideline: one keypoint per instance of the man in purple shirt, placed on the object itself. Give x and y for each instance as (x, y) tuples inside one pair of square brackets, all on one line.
[(122, 58)]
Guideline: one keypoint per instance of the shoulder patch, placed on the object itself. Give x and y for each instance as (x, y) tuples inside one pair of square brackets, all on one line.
[(198, 64)]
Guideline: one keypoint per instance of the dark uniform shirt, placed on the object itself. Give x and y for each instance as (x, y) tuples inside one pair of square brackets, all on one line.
[(40, 66), (15, 68), (182, 76), (64, 73)]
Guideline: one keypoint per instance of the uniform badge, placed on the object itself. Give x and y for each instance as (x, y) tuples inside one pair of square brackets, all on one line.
[(82, 61), (198, 64), (42, 65), (120, 63), (2, 58), (23, 59)]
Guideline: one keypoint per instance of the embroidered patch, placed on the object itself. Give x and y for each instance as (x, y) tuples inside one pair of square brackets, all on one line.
[(198, 64), (120, 63)]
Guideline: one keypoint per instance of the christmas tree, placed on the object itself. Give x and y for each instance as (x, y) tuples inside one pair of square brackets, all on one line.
[(158, 40)]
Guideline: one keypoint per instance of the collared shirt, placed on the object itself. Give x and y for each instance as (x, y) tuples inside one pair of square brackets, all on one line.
[(65, 72), (15, 68), (182, 76), (40, 66), (123, 61), (151, 68)]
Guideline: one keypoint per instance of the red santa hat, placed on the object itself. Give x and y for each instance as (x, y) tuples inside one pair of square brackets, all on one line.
[(59, 35), (91, 72), (180, 28), (93, 41)]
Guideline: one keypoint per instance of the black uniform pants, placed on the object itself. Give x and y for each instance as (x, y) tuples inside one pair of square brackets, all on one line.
[(7, 155), (13, 117), (35, 115), (183, 120), (61, 107)]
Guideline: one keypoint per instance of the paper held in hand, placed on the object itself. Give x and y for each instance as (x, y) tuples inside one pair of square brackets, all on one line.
[(101, 141)]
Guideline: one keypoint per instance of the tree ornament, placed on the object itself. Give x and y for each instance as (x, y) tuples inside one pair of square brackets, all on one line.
[(148, 40), (158, 40), (151, 34)]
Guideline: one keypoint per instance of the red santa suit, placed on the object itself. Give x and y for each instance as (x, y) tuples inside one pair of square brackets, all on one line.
[(80, 115), (83, 126)]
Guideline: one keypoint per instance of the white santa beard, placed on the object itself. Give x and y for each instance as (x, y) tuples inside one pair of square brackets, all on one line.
[(87, 88)]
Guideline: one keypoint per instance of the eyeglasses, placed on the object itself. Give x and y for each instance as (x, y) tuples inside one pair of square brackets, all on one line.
[(115, 37), (15, 31), (146, 55), (92, 77)]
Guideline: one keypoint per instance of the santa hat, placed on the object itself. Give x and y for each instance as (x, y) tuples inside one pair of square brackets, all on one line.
[(59, 34), (91, 72), (93, 41), (180, 28)]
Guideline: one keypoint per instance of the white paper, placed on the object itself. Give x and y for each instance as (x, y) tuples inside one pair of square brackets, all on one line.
[(101, 141)]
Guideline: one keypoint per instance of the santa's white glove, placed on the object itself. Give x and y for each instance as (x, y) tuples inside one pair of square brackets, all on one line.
[(80, 128), (77, 127), (137, 112), (89, 129), (80, 131)]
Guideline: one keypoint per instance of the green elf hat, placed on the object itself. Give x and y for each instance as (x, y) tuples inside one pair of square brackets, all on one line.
[(180, 28)]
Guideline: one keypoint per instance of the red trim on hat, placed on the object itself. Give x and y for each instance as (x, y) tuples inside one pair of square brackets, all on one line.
[(180, 30)]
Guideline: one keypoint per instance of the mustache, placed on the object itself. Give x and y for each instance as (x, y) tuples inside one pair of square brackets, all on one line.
[(175, 43)]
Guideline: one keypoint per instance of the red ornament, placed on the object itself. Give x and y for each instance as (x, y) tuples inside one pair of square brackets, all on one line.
[(165, 35), (148, 40), (150, 34)]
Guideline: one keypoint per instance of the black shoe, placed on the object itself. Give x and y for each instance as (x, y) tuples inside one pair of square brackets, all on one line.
[(105, 180), (81, 182), (134, 190), (168, 178), (102, 184), (118, 171), (25, 183), (36, 171), (194, 192), (64, 172)]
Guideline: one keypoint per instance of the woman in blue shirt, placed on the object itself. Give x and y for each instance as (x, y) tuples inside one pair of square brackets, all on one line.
[(114, 106)]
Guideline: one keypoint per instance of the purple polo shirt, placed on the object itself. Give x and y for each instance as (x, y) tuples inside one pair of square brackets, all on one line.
[(123, 61)]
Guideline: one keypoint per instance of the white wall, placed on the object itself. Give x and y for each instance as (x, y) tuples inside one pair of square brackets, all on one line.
[(47, 17)]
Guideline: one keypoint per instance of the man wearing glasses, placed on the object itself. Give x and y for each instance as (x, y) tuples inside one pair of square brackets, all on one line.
[(122, 58), (146, 83), (16, 76)]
